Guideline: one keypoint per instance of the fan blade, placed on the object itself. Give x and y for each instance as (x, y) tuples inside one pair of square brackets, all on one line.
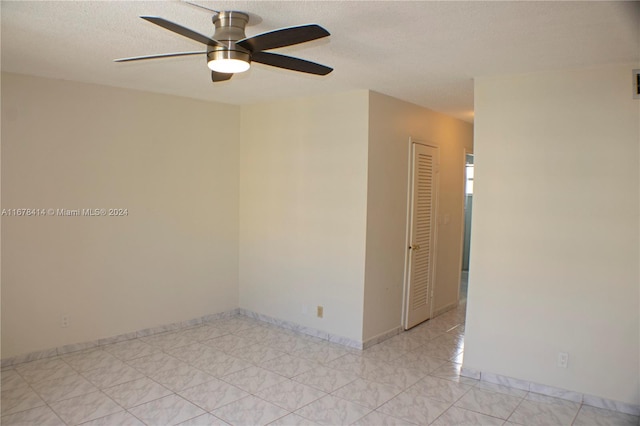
[(283, 37), (179, 29), (162, 55), (220, 76), (290, 63)]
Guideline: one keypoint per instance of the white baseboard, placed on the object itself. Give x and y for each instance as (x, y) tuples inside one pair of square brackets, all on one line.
[(74, 347), (382, 337), (593, 401), (310, 331), (61, 350)]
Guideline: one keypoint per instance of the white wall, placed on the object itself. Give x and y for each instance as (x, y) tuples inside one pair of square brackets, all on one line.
[(172, 162), (303, 189), (391, 123), (555, 235)]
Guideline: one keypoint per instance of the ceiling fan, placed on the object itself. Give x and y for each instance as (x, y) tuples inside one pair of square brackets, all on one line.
[(230, 51)]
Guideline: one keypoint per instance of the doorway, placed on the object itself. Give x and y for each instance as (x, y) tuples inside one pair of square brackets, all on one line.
[(466, 242), (423, 196)]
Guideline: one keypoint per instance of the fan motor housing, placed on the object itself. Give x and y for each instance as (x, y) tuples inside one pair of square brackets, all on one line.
[(230, 25)]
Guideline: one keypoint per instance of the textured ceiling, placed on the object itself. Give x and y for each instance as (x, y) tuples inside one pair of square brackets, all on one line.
[(423, 52)]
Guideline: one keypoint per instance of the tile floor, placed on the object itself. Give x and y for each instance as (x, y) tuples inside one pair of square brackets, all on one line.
[(240, 371)]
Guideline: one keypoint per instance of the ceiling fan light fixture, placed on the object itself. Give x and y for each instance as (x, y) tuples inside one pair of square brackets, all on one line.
[(230, 51), (228, 61)]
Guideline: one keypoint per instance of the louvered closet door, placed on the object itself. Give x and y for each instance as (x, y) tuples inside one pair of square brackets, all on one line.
[(422, 234)]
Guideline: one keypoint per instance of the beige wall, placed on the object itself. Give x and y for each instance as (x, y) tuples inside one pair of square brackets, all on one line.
[(303, 190), (391, 124), (555, 234), (172, 162), (277, 208)]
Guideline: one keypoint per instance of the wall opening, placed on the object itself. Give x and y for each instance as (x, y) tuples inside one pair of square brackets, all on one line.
[(468, 208)]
